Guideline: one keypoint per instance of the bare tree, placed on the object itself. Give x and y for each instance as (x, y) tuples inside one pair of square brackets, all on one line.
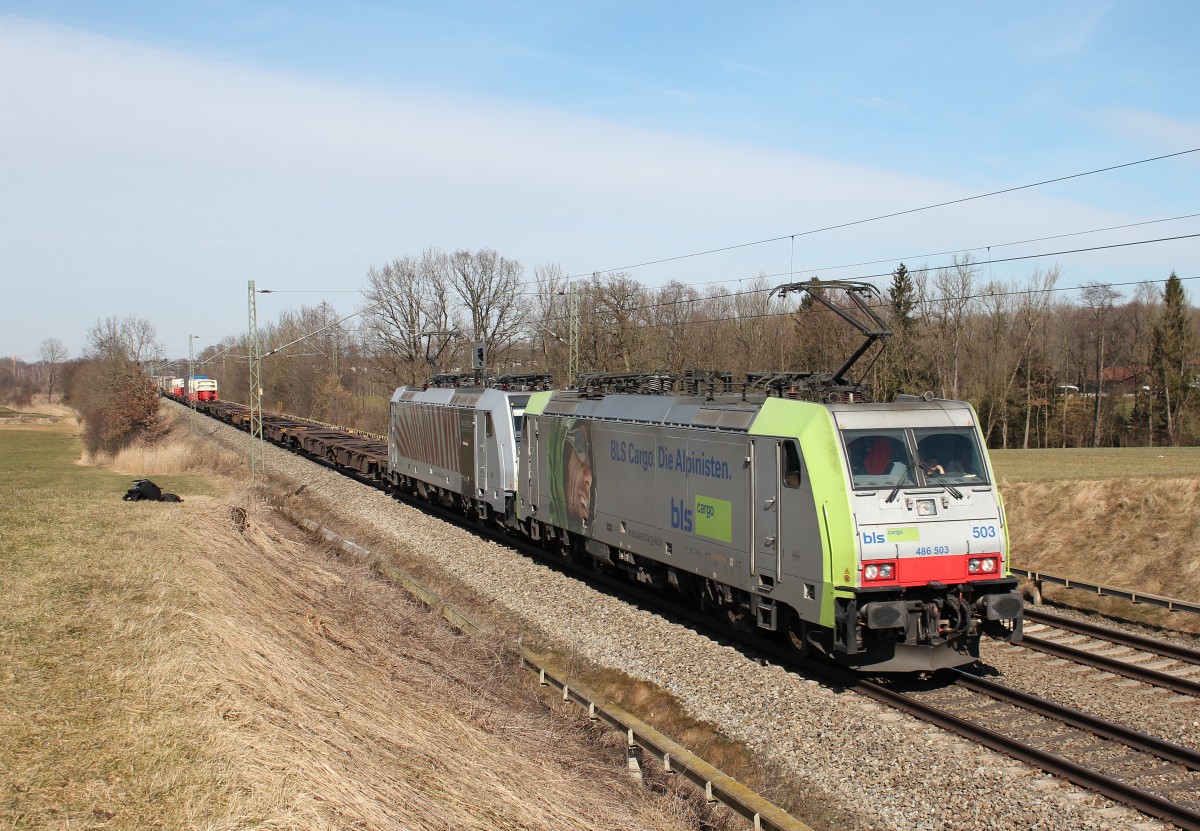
[(620, 304), (407, 316), (673, 316), (955, 287), (491, 288), (549, 321), (1010, 315), (52, 353), (1098, 299), (130, 339)]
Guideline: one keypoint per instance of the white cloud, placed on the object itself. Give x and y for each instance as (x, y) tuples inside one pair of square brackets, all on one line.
[(1151, 129), (136, 175)]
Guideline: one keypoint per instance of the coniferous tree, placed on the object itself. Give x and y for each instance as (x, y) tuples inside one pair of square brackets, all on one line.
[(898, 365), (1174, 342)]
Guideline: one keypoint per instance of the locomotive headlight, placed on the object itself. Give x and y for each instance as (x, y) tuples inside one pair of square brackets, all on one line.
[(879, 571), (981, 565)]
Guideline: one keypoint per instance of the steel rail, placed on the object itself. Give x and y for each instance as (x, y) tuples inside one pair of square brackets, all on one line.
[(1083, 627), (1115, 789), (1169, 751), (1108, 663)]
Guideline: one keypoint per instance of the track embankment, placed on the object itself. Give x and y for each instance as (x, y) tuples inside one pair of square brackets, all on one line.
[(1139, 533), (850, 763)]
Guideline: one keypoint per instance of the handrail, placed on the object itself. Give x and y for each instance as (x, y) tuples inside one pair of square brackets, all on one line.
[(1170, 603), (674, 757)]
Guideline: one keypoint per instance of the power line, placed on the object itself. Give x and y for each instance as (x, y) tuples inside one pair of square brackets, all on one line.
[(911, 257), (812, 231), (888, 274), (748, 292), (889, 215)]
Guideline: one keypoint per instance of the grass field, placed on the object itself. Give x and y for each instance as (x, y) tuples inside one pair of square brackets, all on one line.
[(1092, 464), (91, 733), (8, 412), (171, 666)]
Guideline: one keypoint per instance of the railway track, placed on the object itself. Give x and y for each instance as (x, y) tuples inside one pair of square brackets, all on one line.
[(1157, 777), (1150, 661)]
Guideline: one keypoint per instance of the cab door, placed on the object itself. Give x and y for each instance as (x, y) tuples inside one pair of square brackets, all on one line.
[(485, 439), (466, 451), (764, 510)]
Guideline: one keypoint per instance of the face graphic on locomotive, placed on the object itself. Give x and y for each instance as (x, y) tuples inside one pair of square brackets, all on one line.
[(576, 474)]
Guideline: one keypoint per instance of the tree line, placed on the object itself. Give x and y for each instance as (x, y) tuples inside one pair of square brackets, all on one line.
[(1043, 366)]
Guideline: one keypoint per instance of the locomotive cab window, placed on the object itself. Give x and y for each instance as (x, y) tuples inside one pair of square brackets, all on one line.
[(950, 456), (879, 458), (791, 465), (488, 427)]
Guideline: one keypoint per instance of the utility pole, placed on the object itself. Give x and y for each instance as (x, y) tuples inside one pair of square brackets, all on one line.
[(189, 385), (572, 334), (257, 461)]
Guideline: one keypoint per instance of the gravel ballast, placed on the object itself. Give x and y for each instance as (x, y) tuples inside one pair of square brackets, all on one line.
[(885, 768)]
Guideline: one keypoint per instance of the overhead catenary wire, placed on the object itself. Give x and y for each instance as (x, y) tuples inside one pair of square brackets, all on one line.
[(822, 229), (965, 250), (734, 294), (852, 223), (792, 271), (891, 215)]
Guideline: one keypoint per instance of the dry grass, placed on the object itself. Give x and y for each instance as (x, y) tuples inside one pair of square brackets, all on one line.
[(94, 731), (173, 451), (385, 716), (39, 408), (1094, 464), (649, 702), (162, 669), (1129, 533)]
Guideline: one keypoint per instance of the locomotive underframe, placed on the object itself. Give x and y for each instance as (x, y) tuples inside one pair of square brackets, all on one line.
[(922, 628)]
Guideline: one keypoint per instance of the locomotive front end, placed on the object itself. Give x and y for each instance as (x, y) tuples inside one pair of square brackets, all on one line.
[(931, 570)]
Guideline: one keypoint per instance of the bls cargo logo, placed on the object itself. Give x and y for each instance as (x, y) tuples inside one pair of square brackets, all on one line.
[(708, 517), (682, 518), (911, 534)]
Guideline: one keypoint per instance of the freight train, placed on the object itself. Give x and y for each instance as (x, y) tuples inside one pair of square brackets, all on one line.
[(872, 533), (192, 388)]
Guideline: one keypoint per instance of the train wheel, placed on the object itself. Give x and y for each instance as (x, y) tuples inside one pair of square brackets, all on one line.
[(795, 634)]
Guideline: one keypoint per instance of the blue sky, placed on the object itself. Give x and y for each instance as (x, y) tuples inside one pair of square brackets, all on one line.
[(156, 155)]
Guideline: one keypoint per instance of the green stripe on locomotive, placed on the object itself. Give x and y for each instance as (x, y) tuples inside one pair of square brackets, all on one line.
[(812, 425), (537, 402)]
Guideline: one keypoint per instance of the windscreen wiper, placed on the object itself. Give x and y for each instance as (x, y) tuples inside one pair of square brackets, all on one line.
[(907, 472), (955, 492)]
